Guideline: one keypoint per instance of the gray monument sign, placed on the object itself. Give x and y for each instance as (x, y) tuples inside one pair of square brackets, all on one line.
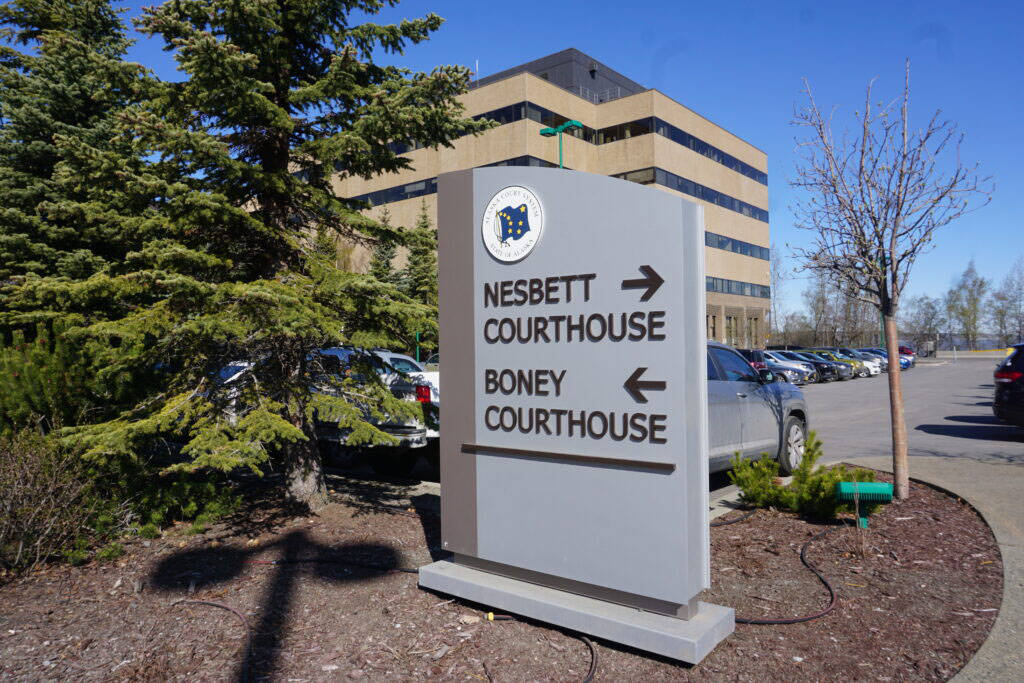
[(574, 433)]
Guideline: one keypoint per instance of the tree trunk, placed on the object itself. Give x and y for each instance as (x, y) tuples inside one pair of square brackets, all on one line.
[(305, 475), (900, 468)]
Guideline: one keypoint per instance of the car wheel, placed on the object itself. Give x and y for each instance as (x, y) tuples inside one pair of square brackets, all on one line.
[(794, 437), (393, 463)]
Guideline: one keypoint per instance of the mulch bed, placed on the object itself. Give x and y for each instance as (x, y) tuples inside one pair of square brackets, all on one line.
[(915, 604)]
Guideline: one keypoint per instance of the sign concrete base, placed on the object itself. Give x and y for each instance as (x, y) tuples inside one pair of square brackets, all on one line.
[(687, 640)]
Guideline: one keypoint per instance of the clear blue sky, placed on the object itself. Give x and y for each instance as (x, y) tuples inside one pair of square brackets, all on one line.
[(741, 63)]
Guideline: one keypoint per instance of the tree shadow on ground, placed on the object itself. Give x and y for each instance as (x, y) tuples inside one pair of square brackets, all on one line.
[(975, 427), (299, 555), (976, 419)]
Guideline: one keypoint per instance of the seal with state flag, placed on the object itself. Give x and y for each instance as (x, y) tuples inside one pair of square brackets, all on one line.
[(512, 223)]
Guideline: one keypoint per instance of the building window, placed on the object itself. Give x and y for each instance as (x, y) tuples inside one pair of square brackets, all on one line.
[(723, 286), (712, 323), (429, 185), (737, 246), (621, 131), (731, 331), (680, 184), (753, 332)]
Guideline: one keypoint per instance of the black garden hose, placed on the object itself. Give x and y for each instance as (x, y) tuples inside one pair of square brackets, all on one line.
[(831, 591)]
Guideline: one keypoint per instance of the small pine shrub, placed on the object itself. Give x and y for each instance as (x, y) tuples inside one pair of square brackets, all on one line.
[(756, 481), (111, 551), (149, 531), (810, 493)]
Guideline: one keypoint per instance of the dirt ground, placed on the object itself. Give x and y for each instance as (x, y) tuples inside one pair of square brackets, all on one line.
[(914, 605)]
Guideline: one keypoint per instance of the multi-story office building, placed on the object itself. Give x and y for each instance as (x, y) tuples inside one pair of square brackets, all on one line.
[(630, 132)]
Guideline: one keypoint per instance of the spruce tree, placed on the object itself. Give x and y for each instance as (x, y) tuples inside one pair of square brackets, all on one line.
[(227, 189), (63, 87), (384, 254), (71, 85), (420, 275)]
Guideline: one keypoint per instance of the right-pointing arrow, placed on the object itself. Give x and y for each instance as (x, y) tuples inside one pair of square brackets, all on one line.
[(651, 282), (634, 385)]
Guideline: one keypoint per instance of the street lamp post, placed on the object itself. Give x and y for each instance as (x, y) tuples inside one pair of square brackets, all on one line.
[(549, 132)]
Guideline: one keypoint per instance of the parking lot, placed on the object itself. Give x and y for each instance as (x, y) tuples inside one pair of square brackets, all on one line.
[(948, 413)]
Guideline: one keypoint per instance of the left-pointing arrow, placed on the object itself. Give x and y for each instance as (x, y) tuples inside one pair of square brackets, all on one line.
[(634, 385)]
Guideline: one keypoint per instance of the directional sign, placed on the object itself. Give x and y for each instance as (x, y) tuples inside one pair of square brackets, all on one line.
[(634, 386), (573, 432), (650, 282)]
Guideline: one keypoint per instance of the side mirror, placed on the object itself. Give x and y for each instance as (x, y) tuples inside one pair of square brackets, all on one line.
[(767, 376)]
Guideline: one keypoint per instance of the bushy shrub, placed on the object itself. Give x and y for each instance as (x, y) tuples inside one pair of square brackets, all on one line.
[(46, 501), (43, 381), (110, 551), (810, 493), (158, 499)]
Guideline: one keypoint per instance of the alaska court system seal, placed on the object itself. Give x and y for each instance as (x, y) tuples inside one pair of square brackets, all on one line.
[(512, 224)]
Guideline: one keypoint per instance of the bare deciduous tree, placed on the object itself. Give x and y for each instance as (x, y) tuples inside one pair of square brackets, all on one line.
[(874, 200), (1006, 306), (964, 304), (779, 275), (923, 319)]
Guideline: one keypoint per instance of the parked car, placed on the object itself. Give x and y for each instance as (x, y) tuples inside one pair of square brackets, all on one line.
[(428, 384), (414, 436), (909, 353), (904, 361), (1008, 403), (874, 365), (857, 367), (844, 371), (787, 373), (755, 357), (805, 366), (751, 413), (883, 361), (399, 361), (825, 370)]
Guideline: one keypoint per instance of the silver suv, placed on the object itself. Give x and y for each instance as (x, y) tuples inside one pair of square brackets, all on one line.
[(751, 413)]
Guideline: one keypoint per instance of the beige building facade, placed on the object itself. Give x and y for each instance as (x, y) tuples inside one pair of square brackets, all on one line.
[(630, 132)]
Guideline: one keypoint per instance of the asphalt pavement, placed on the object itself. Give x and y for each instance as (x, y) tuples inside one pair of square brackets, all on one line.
[(948, 414)]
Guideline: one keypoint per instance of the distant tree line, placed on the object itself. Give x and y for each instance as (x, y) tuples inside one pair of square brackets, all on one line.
[(975, 312)]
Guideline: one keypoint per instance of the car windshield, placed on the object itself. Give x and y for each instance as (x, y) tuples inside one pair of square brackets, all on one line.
[(229, 371), (343, 361), (404, 365)]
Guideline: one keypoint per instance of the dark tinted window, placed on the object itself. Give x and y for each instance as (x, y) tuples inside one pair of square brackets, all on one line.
[(686, 186), (733, 366), (718, 284), (738, 246), (1014, 361), (753, 355), (403, 365), (712, 370)]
